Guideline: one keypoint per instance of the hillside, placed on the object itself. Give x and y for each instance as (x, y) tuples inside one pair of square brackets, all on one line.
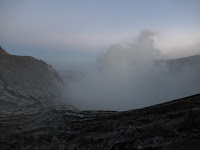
[(25, 80), (168, 126), (28, 85)]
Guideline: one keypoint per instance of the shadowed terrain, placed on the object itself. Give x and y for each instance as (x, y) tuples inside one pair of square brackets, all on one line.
[(29, 86), (168, 126)]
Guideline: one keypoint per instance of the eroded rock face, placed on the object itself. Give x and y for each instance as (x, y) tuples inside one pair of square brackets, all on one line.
[(25, 80)]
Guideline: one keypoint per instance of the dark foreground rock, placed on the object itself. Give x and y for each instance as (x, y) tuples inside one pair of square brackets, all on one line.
[(168, 126)]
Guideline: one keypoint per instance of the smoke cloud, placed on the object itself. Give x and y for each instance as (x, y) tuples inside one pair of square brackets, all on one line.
[(131, 76)]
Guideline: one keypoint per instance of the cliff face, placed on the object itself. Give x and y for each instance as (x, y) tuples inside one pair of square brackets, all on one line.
[(25, 80)]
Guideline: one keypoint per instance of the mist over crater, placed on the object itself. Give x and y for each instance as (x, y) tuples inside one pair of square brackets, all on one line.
[(130, 76)]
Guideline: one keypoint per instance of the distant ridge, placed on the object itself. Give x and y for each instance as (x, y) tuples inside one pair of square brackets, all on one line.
[(181, 63)]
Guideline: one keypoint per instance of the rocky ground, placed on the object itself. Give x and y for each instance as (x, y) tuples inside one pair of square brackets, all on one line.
[(28, 120), (168, 126), (25, 80)]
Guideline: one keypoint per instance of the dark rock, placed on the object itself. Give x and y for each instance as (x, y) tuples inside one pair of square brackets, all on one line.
[(25, 81), (191, 120), (162, 129)]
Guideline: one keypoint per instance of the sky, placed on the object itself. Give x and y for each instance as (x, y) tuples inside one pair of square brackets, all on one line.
[(77, 30)]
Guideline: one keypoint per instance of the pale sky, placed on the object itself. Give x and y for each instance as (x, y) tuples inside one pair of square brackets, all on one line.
[(79, 29)]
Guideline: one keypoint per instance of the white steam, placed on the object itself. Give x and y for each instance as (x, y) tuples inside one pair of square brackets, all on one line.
[(127, 77)]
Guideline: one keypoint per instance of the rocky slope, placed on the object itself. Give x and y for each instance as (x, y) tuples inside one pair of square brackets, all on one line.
[(170, 126), (25, 80)]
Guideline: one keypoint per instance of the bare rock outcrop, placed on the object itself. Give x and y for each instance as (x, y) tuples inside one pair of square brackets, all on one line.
[(25, 80)]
